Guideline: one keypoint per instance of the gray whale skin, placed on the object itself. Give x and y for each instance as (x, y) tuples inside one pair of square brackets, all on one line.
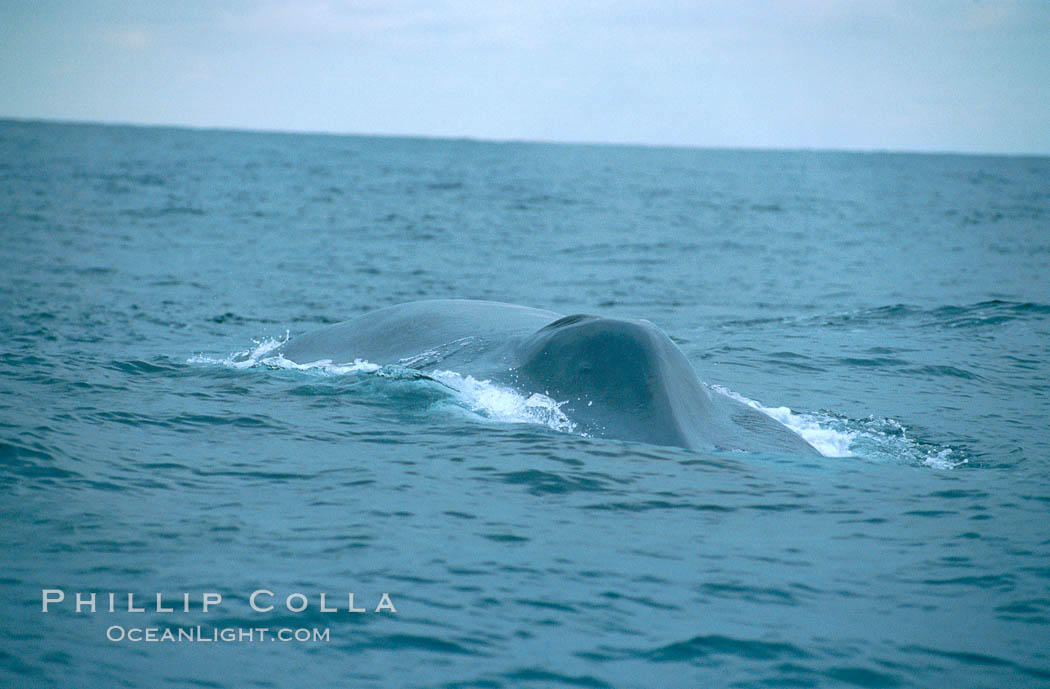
[(616, 378)]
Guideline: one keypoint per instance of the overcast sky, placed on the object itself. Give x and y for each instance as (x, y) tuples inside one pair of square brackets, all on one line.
[(960, 75)]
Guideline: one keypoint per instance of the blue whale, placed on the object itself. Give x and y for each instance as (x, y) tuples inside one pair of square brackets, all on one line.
[(615, 378)]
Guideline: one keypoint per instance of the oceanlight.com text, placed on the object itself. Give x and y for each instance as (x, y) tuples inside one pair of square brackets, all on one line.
[(198, 634)]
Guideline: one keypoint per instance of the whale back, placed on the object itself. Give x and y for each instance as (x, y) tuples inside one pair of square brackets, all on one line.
[(400, 333), (614, 378)]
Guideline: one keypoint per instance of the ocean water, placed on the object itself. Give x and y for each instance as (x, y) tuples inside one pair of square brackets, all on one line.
[(893, 309)]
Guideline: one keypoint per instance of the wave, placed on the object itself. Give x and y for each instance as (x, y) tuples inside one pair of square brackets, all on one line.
[(977, 315)]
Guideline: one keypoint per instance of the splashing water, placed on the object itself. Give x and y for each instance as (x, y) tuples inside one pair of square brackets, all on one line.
[(872, 439), (260, 356), (503, 404), (482, 397)]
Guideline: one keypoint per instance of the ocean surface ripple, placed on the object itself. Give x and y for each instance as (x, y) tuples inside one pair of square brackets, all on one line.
[(892, 309)]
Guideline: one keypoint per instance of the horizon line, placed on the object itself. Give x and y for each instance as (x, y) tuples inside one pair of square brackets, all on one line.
[(499, 140)]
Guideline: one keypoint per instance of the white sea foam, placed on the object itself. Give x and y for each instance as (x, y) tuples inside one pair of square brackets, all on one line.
[(482, 397), (830, 442), (872, 438), (503, 404), (261, 355)]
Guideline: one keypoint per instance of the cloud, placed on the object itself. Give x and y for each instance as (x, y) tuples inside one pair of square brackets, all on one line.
[(940, 74)]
